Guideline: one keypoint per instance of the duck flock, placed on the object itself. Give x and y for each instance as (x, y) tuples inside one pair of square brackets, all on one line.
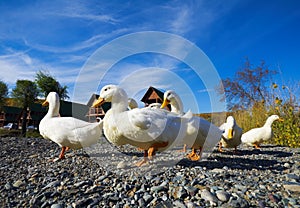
[(150, 129)]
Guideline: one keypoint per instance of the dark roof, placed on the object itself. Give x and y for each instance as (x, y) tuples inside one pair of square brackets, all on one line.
[(149, 92), (76, 110), (12, 113)]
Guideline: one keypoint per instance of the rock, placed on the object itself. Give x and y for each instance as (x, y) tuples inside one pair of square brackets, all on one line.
[(8, 186), (178, 204), (192, 191), (222, 195), (122, 165), (295, 187), (208, 196), (57, 206), (18, 183)]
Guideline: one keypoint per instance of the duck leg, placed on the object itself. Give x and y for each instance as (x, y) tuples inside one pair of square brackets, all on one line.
[(62, 153), (193, 155), (151, 152), (220, 147), (256, 145), (144, 160)]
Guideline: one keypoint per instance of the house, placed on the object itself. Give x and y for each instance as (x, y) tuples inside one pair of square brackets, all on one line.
[(153, 95), (94, 113), (9, 114), (36, 112)]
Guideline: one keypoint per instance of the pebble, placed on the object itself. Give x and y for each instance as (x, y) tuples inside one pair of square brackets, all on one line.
[(265, 178), (222, 195), (292, 186), (208, 196)]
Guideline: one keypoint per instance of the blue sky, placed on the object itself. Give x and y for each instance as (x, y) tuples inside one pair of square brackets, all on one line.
[(61, 37)]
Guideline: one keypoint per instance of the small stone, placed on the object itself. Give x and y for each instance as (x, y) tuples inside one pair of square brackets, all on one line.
[(192, 191), (295, 187), (157, 188), (57, 206), (217, 170), (208, 196), (18, 183), (122, 165), (8, 186), (148, 198), (141, 202), (286, 165), (178, 204), (222, 195)]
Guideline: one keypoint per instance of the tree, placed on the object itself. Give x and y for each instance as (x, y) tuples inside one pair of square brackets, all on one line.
[(248, 87), (47, 83), (3, 93), (25, 93)]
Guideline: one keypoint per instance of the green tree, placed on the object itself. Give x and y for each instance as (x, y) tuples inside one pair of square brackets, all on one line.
[(26, 93), (249, 86), (47, 83), (3, 93)]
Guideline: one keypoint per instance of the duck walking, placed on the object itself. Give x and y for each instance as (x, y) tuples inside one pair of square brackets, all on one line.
[(67, 132), (146, 128), (256, 136)]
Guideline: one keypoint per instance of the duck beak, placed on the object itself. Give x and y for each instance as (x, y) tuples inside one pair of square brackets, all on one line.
[(98, 102), (230, 133), (165, 103), (280, 119), (45, 103)]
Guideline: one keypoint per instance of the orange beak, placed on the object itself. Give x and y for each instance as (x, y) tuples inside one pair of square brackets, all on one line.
[(45, 103), (230, 133), (165, 103), (98, 102)]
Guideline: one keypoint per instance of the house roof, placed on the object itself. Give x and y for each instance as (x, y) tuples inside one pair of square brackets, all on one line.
[(11, 113), (153, 93)]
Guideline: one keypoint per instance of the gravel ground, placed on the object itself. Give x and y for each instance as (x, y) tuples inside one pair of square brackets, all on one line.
[(101, 176)]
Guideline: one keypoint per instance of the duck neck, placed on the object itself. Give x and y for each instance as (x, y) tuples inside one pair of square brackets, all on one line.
[(53, 110), (269, 122), (177, 107), (120, 102)]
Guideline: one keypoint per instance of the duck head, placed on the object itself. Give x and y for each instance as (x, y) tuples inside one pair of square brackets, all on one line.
[(170, 97), (53, 101), (113, 94), (230, 124), (271, 119)]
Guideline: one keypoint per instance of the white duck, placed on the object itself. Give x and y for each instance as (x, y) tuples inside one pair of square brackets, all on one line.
[(132, 104), (200, 133), (67, 132), (146, 128), (256, 136), (231, 138)]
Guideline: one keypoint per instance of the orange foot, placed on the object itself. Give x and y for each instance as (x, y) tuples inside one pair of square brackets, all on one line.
[(145, 160), (256, 146), (220, 147), (193, 155)]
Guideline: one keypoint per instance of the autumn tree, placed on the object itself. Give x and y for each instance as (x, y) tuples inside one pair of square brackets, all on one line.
[(248, 87), (26, 93), (3, 93), (48, 83)]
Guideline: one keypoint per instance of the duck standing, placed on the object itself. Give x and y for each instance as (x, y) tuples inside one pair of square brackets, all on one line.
[(231, 138), (256, 136), (67, 132), (199, 133), (146, 128)]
